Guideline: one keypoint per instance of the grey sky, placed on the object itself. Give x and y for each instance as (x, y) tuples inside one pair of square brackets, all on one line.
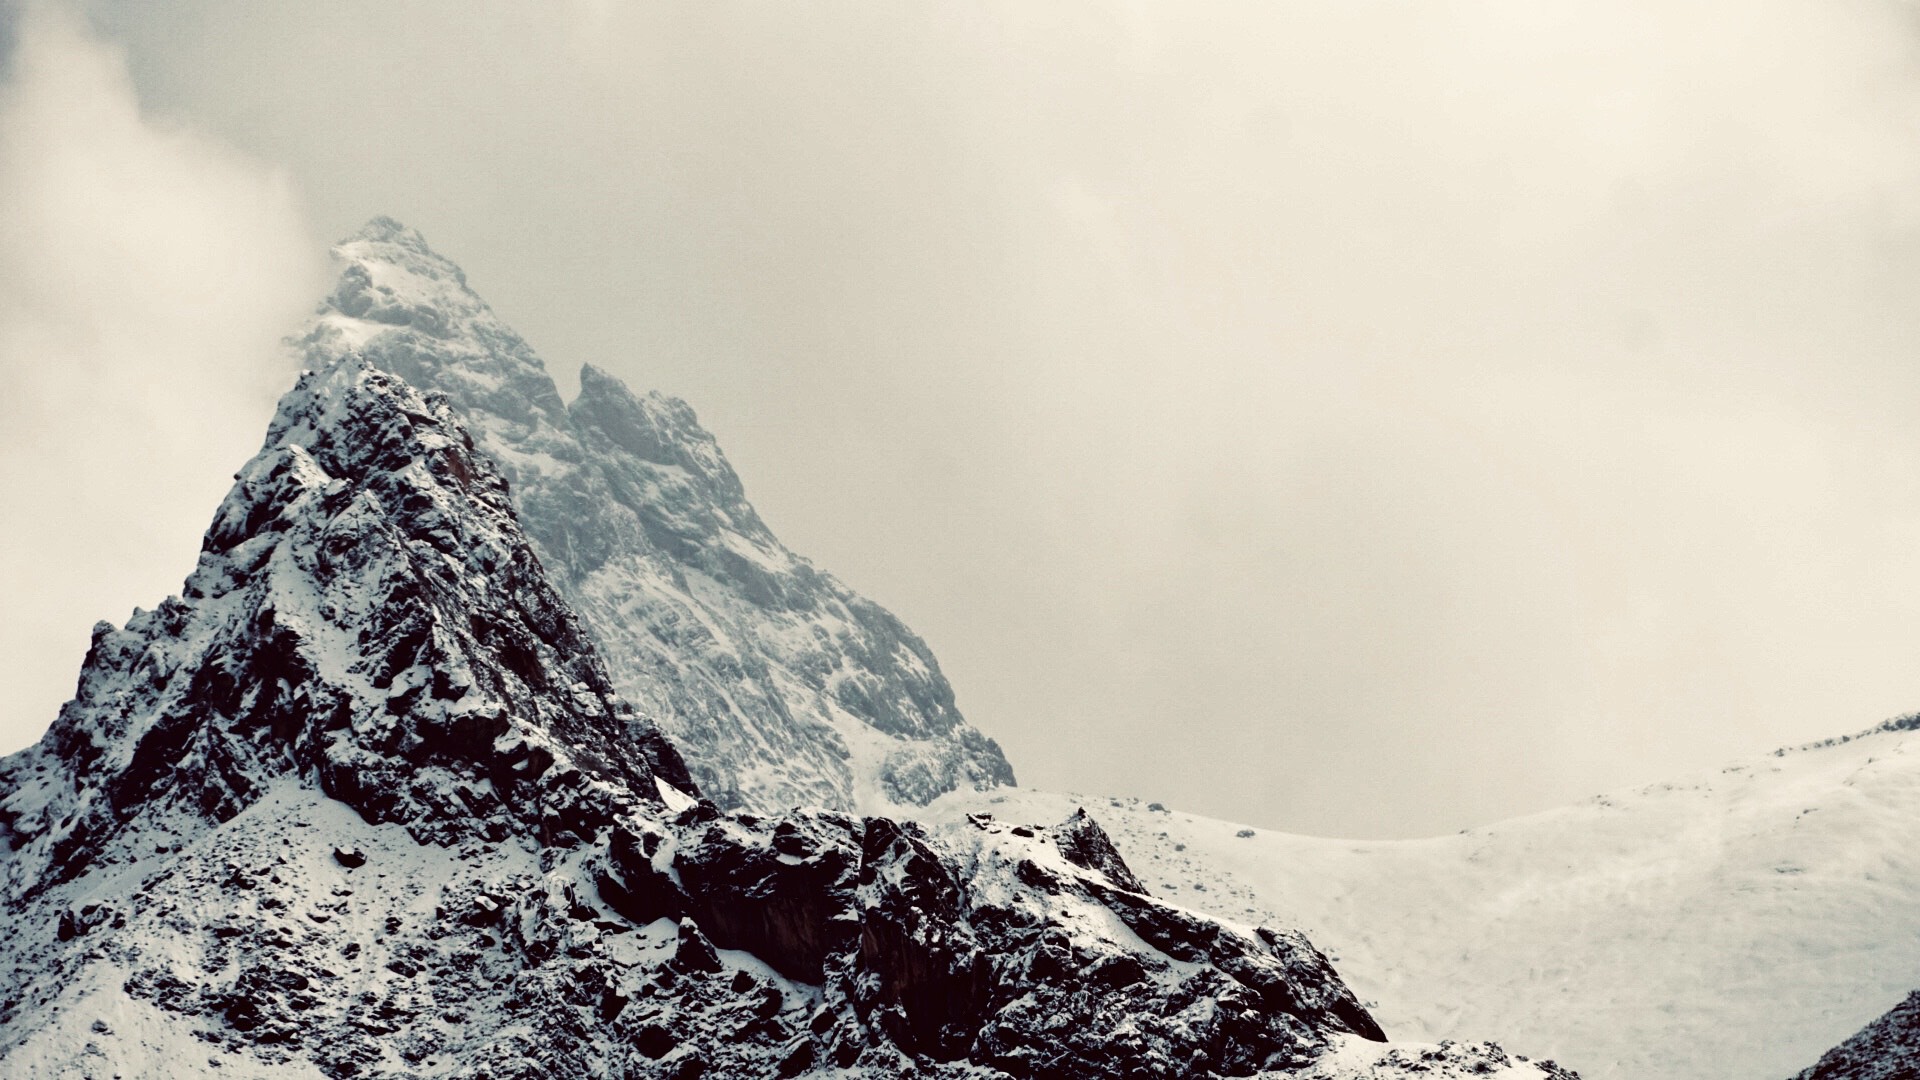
[(1352, 417)]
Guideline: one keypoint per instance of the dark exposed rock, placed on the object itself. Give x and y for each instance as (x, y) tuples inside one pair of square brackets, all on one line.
[(349, 857), (797, 1060), (654, 1041), (633, 885), (484, 911), (927, 978), (789, 911), (1086, 845), (73, 923), (694, 952)]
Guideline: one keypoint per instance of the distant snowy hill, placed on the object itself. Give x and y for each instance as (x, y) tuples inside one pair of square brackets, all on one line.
[(1734, 925), (782, 686)]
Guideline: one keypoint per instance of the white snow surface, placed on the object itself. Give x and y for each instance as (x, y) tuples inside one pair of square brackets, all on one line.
[(1732, 925)]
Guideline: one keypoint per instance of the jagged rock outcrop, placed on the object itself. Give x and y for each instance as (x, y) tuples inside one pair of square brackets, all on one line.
[(1087, 845), (781, 685), (362, 803), (1887, 1049)]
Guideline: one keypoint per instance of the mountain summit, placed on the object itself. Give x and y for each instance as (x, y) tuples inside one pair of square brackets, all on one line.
[(781, 685)]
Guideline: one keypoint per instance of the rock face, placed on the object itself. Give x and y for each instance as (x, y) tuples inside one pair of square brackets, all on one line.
[(979, 946), (781, 685), (362, 802), (1887, 1049)]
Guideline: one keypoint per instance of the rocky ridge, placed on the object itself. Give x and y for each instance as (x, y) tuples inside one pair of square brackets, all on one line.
[(782, 686), (1887, 1049), (362, 801)]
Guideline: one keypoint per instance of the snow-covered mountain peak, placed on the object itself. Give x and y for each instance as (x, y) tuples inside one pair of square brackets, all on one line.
[(363, 802), (783, 686), (390, 276)]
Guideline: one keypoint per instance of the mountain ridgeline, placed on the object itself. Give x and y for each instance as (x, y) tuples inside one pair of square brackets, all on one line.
[(367, 800)]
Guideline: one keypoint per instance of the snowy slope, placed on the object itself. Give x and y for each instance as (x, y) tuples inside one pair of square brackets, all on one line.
[(782, 686), (1733, 925)]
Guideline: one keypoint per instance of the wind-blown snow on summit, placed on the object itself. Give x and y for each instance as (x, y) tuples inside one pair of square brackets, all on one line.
[(781, 685)]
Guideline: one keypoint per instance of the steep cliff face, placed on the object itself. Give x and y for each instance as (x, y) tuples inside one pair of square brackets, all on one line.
[(363, 802), (782, 686)]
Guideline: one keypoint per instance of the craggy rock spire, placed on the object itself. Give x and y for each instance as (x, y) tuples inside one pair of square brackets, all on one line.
[(781, 685), (366, 614)]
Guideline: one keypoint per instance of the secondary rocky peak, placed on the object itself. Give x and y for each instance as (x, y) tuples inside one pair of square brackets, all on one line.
[(656, 428), (1087, 845), (367, 615), (782, 685), (662, 430)]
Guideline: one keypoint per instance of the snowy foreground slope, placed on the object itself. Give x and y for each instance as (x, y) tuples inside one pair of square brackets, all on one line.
[(1734, 925), (781, 685), (362, 801)]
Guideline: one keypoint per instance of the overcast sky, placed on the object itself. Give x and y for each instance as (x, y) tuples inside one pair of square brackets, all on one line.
[(1348, 417)]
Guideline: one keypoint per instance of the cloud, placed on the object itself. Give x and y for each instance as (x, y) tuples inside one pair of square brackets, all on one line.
[(1366, 416), (146, 275), (1357, 415)]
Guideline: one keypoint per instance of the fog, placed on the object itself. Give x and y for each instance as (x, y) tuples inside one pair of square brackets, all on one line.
[(147, 272), (1359, 418)]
